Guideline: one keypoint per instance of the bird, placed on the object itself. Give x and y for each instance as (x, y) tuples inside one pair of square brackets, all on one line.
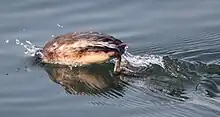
[(83, 48)]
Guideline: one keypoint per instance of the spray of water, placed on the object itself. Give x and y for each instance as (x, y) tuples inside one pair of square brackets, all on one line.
[(143, 61), (30, 48)]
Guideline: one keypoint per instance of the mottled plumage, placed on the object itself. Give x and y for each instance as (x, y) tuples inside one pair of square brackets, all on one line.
[(83, 48)]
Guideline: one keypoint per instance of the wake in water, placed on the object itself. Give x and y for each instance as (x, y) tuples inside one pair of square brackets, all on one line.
[(162, 73)]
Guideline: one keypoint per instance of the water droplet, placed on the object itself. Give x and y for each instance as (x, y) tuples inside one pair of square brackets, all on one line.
[(29, 42), (25, 52), (60, 26), (6, 41), (52, 35), (17, 41)]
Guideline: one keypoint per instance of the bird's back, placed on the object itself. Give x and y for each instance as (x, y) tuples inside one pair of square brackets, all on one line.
[(83, 40), (82, 47)]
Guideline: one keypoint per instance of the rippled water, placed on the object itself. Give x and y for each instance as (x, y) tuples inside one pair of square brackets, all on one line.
[(171, 67)]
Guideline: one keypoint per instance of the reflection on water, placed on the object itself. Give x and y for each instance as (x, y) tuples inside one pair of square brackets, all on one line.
[(177, 79), (90, 80)]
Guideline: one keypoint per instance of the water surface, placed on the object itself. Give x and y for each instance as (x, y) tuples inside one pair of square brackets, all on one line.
[(186, 34)]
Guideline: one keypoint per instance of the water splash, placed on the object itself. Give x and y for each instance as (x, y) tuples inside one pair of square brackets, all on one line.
[(172, 76), (30, 48), (142, 61)]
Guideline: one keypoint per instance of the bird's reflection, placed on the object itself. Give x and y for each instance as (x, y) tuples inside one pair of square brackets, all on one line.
[(94, 80)]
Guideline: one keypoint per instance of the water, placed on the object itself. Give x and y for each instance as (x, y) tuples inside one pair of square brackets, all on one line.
[(172, 63)]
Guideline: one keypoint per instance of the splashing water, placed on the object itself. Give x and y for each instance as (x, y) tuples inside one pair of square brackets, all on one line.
[(143, 61), (30, 49)]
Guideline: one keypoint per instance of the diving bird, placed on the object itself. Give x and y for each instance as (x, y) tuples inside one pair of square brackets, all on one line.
[(82, 48)]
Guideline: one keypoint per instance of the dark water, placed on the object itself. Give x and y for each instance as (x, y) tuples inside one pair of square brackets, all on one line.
[(186, 33)]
